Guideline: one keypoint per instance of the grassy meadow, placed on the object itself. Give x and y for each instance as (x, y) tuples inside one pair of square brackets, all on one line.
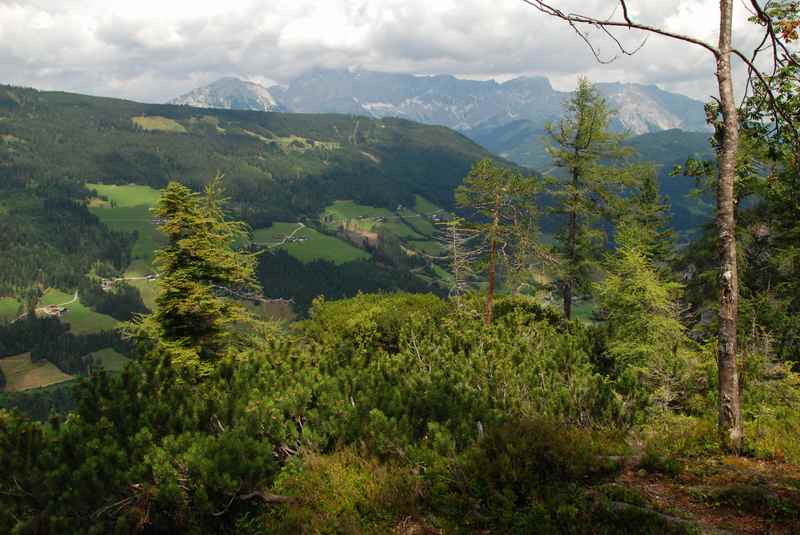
[(82, 320), (127, 208), (22, 374), (155, 123), (8, 308), (413, 227), (110, 360), (317, 246)]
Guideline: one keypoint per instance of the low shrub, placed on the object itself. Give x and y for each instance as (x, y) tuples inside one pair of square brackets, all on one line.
[(343, 493)]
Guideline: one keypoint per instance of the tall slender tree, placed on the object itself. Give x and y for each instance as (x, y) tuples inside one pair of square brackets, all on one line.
[(584, 148), (503, 198)]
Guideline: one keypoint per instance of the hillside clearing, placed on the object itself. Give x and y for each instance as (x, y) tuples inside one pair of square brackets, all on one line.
[(9, 308), (128, 210), (82, 320), (307, 244), (22, 374), (110, 360), (156, 123), (126, 195)]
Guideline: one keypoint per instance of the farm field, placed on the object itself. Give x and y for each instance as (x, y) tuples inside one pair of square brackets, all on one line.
[(353, 215), (413, 227), (82, 320), (110, 360), (128, 209), (425, 207), (8, 308), (22, 374), (314, 245)]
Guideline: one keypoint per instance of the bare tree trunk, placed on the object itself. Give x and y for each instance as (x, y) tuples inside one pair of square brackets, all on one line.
[(572, 244), (488, 311), (730, 421)]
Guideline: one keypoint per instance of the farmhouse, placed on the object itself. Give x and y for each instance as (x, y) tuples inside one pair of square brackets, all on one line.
[(53, 310)]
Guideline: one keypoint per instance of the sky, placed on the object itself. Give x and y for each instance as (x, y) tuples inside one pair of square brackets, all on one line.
[(155, 50)]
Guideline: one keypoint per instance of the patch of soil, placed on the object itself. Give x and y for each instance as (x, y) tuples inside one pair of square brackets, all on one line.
[(729, 494)]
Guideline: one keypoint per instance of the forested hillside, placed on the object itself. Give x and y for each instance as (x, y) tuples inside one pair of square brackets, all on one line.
[(278, 167)]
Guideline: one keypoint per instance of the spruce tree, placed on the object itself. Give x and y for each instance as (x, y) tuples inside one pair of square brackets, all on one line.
[(201, 274)]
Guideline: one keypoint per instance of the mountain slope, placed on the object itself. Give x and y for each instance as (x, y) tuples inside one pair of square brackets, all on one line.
[(278, 166)]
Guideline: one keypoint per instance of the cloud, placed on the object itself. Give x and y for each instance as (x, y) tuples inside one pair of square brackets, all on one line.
[(153, 50)]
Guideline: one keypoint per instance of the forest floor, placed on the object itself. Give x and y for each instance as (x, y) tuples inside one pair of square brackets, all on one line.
[(725, 494)]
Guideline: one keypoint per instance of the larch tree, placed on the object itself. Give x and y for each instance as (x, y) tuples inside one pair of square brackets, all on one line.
[(502, 198), (730, 421), (586, 150), (648, 211)]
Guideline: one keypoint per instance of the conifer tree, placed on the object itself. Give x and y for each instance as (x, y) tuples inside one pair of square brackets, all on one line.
[(648, 212), (646, 336), (592, 157), (504, 198), (200, 274)]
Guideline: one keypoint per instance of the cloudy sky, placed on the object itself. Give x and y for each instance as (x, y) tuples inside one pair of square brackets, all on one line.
[(153, 50)]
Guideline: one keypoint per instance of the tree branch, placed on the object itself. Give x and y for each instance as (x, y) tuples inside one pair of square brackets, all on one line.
[(575, 18)]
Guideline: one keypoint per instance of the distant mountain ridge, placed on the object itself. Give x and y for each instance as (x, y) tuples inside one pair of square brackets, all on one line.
[(463, 105)]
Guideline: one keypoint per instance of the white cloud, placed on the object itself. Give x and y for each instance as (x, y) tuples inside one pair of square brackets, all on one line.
[(153, 50)]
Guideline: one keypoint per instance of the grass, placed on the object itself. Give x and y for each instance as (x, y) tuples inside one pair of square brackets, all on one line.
[(158, 124), (354, 216), (317, 246), (8, 308), (82, 320), (22, 374), (125, 196), (110, 360), (295, 143), (415, 228), (128, 210), (147, 289), (419, 222), (425, 207), (208, 120), (428, 247), (401, 230)]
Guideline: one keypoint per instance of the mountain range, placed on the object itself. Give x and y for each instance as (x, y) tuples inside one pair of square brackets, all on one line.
[(508, 117)]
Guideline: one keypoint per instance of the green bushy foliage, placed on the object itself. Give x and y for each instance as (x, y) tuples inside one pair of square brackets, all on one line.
[(520, 475), (343, 493), (443, 366)]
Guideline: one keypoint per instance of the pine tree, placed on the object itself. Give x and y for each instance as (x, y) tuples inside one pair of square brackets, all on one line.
[(592, 157)]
